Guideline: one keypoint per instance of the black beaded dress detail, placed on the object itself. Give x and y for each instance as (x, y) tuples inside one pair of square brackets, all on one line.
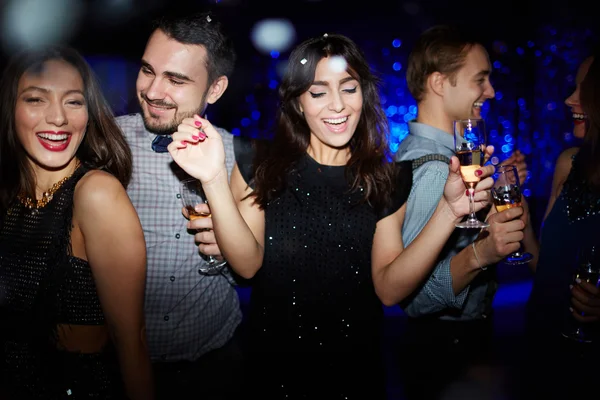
[(315, 322), (43, 285)]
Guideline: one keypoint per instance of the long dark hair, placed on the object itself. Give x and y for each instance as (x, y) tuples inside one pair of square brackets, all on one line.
[(369, 164), (587, 161), (103, 146)]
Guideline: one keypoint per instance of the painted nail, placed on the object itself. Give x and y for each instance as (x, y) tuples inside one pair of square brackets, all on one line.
[(478, 172), (202, 135), (195, 137), (197, 123), (571, 287), (578, 280)]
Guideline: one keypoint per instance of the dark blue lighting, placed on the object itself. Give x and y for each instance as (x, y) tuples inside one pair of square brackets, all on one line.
[(397, 66), (274, 54), (396, 42)]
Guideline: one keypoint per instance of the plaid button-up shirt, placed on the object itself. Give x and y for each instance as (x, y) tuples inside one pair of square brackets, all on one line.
[(187, 313)]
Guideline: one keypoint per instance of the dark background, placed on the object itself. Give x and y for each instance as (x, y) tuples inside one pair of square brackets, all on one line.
[(535, 48)]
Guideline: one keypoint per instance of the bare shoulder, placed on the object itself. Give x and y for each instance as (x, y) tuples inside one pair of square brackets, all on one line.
[(562, 169), (97, 187), (567, 155), (565, 161)]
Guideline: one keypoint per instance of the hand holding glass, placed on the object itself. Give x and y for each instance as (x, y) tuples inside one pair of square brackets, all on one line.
[(507, 194), (587, 270), (469, 144), (191, 195)]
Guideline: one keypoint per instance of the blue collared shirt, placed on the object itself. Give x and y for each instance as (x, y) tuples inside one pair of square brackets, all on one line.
[(436, 295)]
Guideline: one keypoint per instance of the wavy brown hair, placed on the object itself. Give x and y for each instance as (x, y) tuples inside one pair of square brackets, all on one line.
[(587, 161), (103, 146), (368, 167)]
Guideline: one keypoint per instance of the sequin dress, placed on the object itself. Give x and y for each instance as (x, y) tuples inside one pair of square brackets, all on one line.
[(573, 221), (315, 323), (42, 285), (556, 367)]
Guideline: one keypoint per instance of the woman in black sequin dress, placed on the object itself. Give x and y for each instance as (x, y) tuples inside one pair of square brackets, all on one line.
[(314, 219), (572, 220), (72, 251)]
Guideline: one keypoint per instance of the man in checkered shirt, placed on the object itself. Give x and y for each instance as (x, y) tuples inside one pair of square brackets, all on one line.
[(191, 317)]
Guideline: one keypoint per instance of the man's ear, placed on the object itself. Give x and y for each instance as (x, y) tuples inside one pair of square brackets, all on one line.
[(436, 82), (217, 89)]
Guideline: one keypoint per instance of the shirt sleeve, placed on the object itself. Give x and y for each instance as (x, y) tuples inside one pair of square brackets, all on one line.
[(437, 293)]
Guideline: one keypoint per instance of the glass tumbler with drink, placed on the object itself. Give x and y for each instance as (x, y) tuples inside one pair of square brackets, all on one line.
[(507, 194), (191, 195), (587, 269), (469, 144)]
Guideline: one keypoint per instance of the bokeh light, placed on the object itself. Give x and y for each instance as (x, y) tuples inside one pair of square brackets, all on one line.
[(275, 34), (34, 23)]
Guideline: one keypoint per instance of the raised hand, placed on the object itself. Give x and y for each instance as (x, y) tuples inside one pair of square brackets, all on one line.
[(455, 191), (198, 149), (518, 160)]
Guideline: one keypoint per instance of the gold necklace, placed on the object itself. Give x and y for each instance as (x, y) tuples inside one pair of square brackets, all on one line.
[(47, 195)]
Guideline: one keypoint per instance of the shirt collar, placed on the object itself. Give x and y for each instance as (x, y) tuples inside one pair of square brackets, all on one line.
[(431, 133)]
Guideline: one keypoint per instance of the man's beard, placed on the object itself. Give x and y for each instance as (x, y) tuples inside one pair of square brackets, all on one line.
[(170, 127)]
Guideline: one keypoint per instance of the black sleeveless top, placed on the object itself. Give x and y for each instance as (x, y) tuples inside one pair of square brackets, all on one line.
[(41, 285), (315, 322)]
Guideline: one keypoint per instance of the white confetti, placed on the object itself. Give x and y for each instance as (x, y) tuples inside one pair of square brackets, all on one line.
[(303, 61)]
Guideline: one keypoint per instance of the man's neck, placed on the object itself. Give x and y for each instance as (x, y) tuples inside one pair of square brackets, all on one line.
[(430, 114)]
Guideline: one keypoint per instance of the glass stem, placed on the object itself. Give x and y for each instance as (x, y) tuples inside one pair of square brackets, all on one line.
[(472, 204)]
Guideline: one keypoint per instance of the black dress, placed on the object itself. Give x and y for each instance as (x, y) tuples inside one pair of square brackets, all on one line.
[(42, 285), (315, 323)]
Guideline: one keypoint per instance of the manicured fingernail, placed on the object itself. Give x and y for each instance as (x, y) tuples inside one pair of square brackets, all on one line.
[(202, 135), (571, 287), (195, 137), (578, 280), (478, 172), (571, 309), (467, 192), (197, 123)]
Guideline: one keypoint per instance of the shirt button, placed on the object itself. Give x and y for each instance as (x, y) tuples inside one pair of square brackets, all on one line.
[(178, 196), (177, 235), (166, 318), (172, 279)]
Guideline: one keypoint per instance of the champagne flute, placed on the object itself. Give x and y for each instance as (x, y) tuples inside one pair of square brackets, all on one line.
[(191, 195), (507, 194), (469, 144), (588, 270)]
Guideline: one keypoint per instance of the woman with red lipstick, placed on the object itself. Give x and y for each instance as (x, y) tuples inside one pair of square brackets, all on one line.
[(72, 251), (571, 223), (314, 220)]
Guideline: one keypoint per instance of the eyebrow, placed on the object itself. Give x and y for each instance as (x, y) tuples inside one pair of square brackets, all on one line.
[(484, 72), (342, 81), (169, 74), (44, 90)]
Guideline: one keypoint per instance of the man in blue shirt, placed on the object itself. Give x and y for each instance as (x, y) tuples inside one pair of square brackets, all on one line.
[(450, 315)]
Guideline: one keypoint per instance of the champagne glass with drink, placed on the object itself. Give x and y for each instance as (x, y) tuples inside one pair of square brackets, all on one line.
[(191, 195), (469, 144), (587, 269), (507, 194)]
